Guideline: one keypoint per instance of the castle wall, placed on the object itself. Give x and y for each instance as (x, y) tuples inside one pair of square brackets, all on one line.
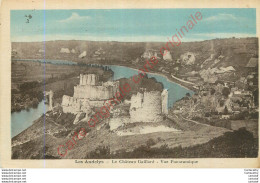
[(50, 100), (105, 91), (113, 84), (65, 100), (73, 105), (93, 92), (136, 101), (88, 79), (146, 107), (89, 94), (165, 101), (70, 105)]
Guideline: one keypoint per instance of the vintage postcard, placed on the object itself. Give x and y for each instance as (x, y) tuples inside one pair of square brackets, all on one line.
[(112, 84)]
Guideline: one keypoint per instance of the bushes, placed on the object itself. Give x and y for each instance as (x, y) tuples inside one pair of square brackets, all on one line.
[(240, 116), (66, 119), (29, 85), (225, 92), (237, 144), (150, 142), (219, 123), (254, 115), (35, 103), (101, 152)]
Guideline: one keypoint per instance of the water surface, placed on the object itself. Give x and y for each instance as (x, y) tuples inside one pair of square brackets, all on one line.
[(175, 91), (22, 120)]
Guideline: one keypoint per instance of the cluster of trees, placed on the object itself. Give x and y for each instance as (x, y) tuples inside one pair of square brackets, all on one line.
[(29, 85), (225, 91)]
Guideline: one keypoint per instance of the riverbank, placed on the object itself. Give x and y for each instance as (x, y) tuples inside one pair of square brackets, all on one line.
[(30, 115), (168, 77), (174, 79), (28, 80)]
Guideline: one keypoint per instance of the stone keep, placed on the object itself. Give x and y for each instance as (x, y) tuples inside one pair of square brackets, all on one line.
[(89, 88), (103, 92), (73, 105), (88, 79), (89, 94), (146, 107)]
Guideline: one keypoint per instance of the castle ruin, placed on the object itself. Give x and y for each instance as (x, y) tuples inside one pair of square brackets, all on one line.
[(149, 106), (88, 94)]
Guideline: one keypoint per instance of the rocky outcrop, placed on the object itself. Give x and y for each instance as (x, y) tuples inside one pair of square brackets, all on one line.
[(116, 122), (167, 55), (149, 54), (188, 58), (83, 54), (211, 75), (64, 50)]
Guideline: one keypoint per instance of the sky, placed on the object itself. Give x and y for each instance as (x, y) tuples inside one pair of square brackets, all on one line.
[(130, 25)]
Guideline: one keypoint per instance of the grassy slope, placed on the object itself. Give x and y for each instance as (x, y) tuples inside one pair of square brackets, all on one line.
[(101, 136)]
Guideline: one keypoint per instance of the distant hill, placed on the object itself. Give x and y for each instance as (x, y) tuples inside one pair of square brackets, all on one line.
[(230, 52)]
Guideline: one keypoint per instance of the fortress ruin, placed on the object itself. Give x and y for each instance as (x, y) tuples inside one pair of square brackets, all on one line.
[(149, 106), (145, 106), (88, 94)]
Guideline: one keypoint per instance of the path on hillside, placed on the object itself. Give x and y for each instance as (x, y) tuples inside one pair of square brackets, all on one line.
[(194, 121), (182, 80)]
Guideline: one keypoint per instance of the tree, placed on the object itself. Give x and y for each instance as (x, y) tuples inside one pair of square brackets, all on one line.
[(35, 102), (225, 91), (150, 142), (212, 91), (225, 111)]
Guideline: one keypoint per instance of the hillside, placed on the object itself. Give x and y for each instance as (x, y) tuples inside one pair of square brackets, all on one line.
[(195, 62), (236, 52), (59, 130)]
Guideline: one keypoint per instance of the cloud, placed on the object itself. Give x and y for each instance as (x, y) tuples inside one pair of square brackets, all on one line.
[(221, 17), (74, 17)]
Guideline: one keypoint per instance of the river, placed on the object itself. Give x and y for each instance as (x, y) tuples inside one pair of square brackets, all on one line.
[(175, 90), (22, 120)]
